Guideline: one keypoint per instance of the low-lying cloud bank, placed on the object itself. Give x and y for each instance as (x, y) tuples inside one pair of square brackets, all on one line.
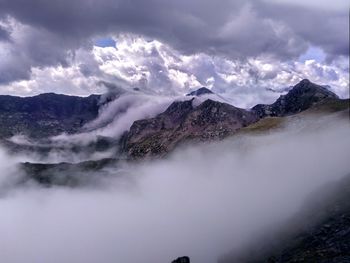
[(201, 202)]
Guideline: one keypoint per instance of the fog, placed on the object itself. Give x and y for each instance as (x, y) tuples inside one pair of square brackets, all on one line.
[(202, 201)]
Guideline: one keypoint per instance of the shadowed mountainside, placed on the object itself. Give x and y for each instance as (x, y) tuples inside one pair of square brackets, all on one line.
[(46, 114), (301, 97)]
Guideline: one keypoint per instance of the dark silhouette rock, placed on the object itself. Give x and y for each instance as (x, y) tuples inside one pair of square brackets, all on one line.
[(200, 92), (181, 260)]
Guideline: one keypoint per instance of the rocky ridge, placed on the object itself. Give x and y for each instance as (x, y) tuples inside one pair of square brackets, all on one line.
[(181, 122), (46, 114)]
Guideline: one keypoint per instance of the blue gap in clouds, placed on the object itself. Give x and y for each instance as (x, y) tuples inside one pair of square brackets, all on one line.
[(313, 53), (105, 42)]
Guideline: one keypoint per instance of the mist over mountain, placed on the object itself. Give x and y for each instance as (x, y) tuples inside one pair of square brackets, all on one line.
[(195, 175), (188, 131)]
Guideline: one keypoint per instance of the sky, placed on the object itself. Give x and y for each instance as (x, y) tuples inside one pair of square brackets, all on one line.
[(249, 51)]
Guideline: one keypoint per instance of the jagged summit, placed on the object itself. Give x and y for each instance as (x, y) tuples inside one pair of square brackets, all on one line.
[(306, 87), (301, 97), (200, 92)]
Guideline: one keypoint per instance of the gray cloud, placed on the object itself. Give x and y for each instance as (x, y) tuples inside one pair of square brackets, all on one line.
[(236, 29), (4, 34), (323, 27), (32, 47)]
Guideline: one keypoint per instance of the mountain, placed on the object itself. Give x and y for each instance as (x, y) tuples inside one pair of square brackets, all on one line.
[(46, 114), (182, 122), (213, 120), (51, 114), (200, 92), (301, 97)]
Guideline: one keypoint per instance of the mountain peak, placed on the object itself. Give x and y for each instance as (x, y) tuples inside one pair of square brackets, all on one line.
[(307, 87), (301, 97), (200, 92), (304, 81)]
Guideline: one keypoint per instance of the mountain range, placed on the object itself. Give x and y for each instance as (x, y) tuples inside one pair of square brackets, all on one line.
[(51, 114), (46, 115)]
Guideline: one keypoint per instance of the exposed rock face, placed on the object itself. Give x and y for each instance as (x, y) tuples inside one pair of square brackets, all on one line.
[(200, 92), (46, 114), (181, 121), (302, 96)]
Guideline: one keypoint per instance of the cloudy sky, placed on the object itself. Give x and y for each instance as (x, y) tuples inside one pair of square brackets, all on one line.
[(248, 50)]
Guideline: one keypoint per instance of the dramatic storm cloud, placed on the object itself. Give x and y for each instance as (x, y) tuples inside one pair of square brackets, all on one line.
[(169, 47)]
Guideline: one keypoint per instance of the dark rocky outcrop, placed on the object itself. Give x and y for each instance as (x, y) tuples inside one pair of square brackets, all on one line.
[(200, 92), (66, 174), (181, 260), (46, 114), (211, 120), (301, 97)]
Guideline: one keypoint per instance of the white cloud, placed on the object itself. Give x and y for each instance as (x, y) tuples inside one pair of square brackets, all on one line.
[(156, 68)]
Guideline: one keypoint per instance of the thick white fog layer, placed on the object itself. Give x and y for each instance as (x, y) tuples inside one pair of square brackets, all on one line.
[(200, 202)]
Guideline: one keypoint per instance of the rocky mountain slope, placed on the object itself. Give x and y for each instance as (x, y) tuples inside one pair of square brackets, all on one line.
[(46, 114), (182, 122)]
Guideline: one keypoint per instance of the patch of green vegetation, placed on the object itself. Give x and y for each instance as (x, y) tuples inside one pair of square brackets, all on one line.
[(264, 125), (330, 105)]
